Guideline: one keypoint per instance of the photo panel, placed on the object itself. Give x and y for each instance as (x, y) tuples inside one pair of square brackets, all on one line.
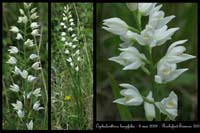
[(71, 66), (25, 66)]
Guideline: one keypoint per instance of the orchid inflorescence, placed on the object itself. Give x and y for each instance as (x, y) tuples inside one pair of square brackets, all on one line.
[(27, 97), (70, 39), (155, 33)]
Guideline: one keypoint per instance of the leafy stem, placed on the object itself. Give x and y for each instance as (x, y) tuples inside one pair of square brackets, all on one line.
[(138, 18), (153, 84)]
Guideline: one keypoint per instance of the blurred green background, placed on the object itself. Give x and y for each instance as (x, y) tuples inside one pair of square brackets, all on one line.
[(107, 46)]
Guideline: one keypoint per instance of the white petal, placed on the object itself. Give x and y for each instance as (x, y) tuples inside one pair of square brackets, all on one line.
[(33, 56), (165, 36), (135, 101), (120, 101), (135, 65), (132, 6), (149, 108), (115, 26), (20, 113), (175, 74), (158, 79), (24, 74), (181, 58), (29, 125), (146, 8), (134, 36), (129, 86), (175, 44), (165, 21)]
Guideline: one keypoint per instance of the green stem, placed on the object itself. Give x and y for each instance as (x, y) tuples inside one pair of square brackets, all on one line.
[(148, 101), (153, 84), (145, 70), (133, 29), (138, 17)]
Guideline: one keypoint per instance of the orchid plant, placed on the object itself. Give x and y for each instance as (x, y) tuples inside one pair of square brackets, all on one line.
[(26, 68), (154, 34)]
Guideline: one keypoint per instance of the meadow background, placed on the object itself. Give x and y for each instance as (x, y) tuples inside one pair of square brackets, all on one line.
[(107, 46), (65, 114), (10, 18)]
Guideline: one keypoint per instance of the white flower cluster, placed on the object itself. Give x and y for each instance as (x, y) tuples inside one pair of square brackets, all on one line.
[(155, 33), (69, 38), (28, 18)]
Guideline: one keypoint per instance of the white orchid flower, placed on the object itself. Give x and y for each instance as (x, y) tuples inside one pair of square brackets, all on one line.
[(77, 52), (77, 68), (18, 105), (35, 32), (22, 19), (27, 5), (115, 26), (69, 59), (73, 35), (169, 105), (63, 39), (62, 23), (37, 66), (36, 106), (167, 72), (33, 10), (34, 16), (146, 8), (24, 74), (157, 19), (29, 95), (152, 37), (36, 92), (74, 46), (29, 43), (130, 58), (20, 113), (33, 56), (21, 11), (13, 50), (12, 60), (149, 108), (71, 64), (72, 24), (70, 29), (132, 6), (30, 125), (66, 51), (14, 29), (19, 36), (126, 41), (16, 71), (78, 58), (75, 39), (71, 20), (131, 95), (14, 87), (175, 53), (63, 34), (70, 44), (31, 78), (34, 25)]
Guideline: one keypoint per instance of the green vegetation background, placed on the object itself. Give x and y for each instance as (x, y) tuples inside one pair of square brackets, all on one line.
[(107, 46)]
